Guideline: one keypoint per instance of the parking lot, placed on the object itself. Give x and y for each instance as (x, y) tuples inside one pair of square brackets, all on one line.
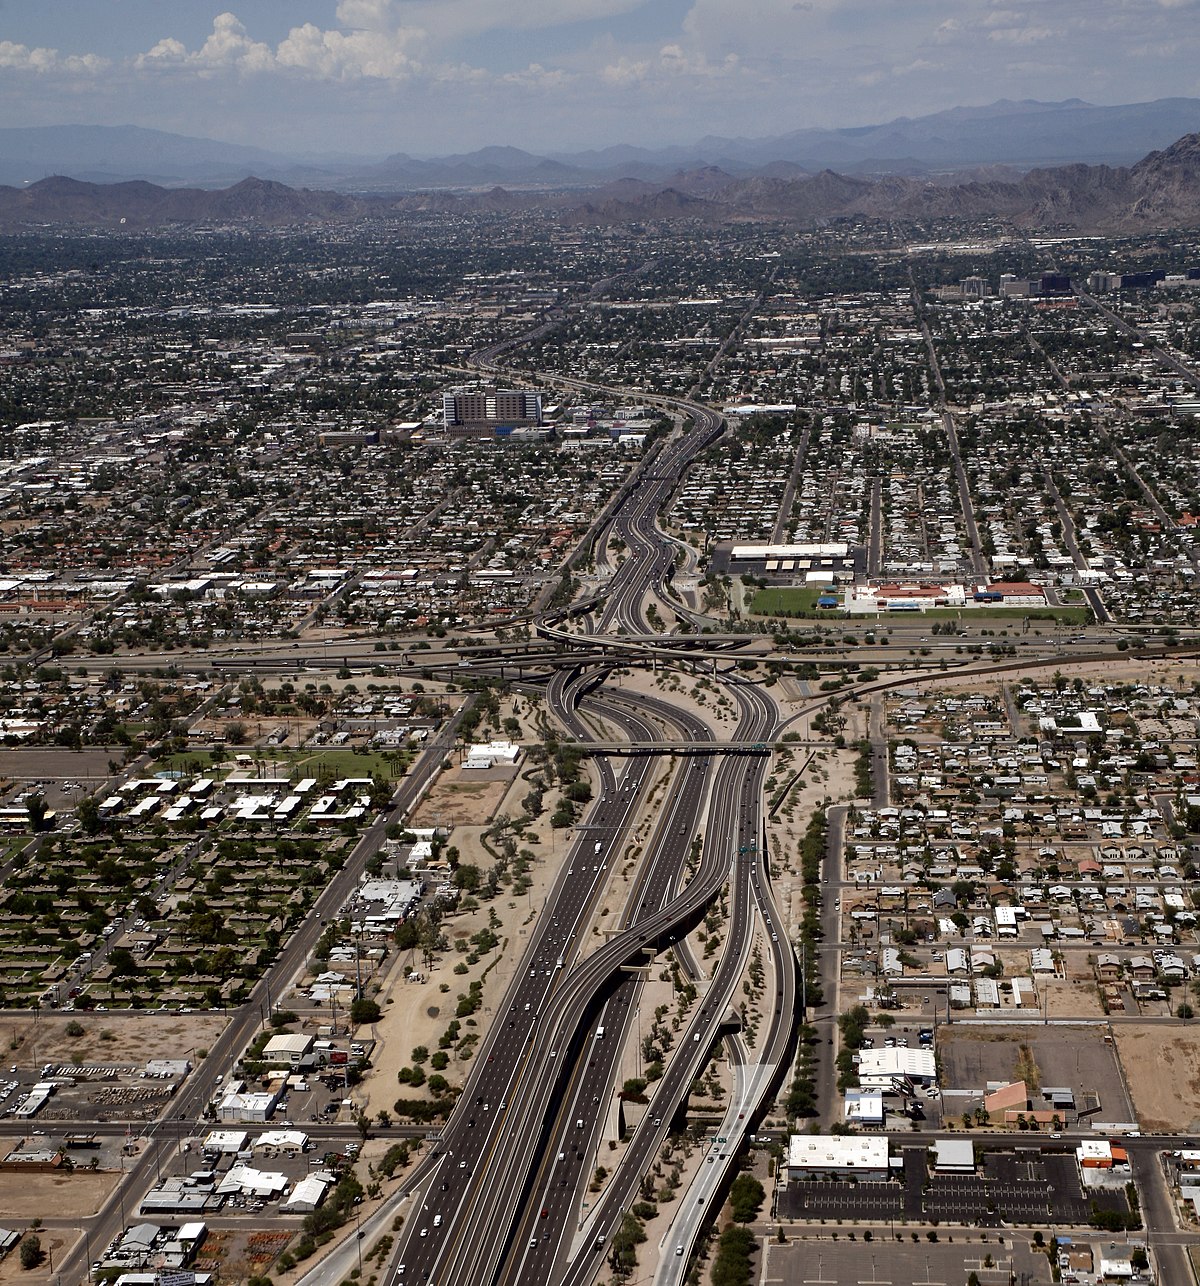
[(1021, 1186), (897, 1261)]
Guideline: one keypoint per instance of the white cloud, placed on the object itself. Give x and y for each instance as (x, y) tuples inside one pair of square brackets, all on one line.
[(449, 19), (367, 15), (537, 77), (39, 59), (366, 51), (671, 62), (336, 55), (227, 47), (1002, 18)]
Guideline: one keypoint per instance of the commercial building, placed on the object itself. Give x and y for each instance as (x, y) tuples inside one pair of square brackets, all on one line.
[(864, 1108), (1100, 1154), (895, 1071), (492, 754), (290, 1049), (953, 1156), (239, 1105), (830, 1156), (307, 1195), (815, 564), (492, 411), (1011, 1097)]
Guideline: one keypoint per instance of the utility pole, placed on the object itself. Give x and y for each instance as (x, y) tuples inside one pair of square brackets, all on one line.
[(358, 991)]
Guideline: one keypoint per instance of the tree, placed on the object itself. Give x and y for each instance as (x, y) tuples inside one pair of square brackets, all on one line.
[(468, 878), (37, 808), (364, 1010), (407, 935), (745, 1197), (623, 1253), (122, 963), (87, 811), (32, 1253)]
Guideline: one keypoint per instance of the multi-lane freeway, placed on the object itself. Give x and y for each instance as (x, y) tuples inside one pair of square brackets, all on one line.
[(500, 1196), (503, 1195)]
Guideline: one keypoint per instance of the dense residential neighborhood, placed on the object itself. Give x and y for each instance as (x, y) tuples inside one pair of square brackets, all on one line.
[(723, 701)]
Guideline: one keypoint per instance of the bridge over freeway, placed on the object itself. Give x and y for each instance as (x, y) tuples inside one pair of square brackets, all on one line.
[(697, 748)]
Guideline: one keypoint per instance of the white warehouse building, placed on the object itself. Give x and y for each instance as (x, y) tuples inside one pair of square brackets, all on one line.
[(830, 1156), (889, 1069)]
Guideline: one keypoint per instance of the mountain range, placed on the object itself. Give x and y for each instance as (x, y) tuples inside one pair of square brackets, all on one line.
[(1022, 135), (1162, 190)]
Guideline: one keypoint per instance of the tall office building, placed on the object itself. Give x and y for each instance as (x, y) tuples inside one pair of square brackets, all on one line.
[(493, 410)]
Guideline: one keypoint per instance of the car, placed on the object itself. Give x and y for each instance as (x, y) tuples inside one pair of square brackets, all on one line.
[(545, 1212), (679, 1250), (424, 1232)]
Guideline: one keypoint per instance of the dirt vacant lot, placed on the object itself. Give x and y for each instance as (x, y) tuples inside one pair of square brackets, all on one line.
[(125, 1038), (1162, 1066), (464, 799), (1074, 1057)]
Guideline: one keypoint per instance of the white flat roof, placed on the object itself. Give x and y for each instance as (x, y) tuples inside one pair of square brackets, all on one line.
[(896, 1062), (225, 1140), (835, 549), (838, 1152), (954, 1154)]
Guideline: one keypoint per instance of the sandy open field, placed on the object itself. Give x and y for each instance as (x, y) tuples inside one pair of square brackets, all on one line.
[(56, 1242), (53, 1196), (125, 1037), (464, 798), (416, 1013), (1162, 1069)]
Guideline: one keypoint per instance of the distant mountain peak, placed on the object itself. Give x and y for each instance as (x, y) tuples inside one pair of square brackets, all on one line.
[(1023, 134)]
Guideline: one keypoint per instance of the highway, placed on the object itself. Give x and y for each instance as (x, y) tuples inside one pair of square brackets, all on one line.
[(501, 1196), (531, 1112)]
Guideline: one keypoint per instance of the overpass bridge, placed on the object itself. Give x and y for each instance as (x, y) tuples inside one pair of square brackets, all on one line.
[(693, 748)]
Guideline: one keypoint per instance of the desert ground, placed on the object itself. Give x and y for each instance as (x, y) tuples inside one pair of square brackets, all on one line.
[(1162, 1069)]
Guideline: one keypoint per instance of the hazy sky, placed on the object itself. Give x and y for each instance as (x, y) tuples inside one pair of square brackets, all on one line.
[(427, 76)]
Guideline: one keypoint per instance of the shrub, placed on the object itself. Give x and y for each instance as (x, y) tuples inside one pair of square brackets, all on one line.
[(32, 1253)]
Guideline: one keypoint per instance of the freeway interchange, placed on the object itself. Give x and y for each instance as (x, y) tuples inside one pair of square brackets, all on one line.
[(502, 1194), (499, 1196)]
